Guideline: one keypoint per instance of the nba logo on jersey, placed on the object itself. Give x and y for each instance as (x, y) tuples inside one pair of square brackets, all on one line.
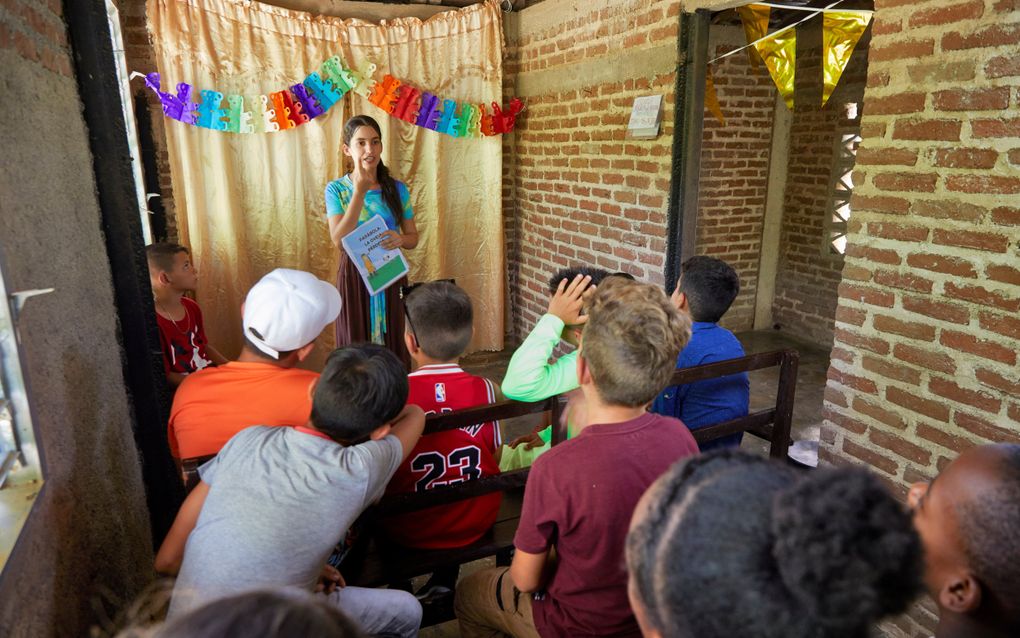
[(440, 393)]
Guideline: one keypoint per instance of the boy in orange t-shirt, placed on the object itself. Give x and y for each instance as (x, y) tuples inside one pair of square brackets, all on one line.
[(283, 314)]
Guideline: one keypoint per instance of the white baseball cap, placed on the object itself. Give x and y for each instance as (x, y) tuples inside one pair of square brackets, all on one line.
[(287, 309)]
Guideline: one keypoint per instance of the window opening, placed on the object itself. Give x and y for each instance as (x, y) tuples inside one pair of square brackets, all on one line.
[(841, 184)]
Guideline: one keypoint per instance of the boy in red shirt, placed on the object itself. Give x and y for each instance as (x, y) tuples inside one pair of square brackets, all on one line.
[(437, 331), (181, 331), (581, 494)]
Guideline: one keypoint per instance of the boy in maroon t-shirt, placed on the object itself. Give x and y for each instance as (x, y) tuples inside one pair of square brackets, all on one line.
[(581, 494), (181, 331)]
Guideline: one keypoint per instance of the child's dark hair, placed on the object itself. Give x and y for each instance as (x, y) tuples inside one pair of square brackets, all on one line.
[(361, 387), (710, 285), (733, 544), (441, 319), (988, 527), (161, 255), (387, 184), (252, 349), (269, 613), (596, 274)]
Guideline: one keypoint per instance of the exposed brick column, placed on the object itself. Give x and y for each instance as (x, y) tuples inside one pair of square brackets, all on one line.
[(926, 338)]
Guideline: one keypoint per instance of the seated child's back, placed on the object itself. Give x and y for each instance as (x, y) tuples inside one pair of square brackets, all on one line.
[(274, 503), (437, 332), (705, 291)]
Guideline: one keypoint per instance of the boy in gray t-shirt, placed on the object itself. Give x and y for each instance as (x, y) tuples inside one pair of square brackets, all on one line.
[(276, 500)]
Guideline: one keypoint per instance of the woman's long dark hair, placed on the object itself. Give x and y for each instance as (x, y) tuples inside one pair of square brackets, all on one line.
[(387, 184)]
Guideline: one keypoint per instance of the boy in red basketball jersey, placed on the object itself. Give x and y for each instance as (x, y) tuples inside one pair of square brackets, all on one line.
[(438, 330)]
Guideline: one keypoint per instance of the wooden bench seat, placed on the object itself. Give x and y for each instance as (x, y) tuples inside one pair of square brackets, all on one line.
[(373, 562), (379, 563), (376, 563)]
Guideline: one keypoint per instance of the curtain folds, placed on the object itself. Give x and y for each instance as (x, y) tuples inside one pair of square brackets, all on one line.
[(249, 203)]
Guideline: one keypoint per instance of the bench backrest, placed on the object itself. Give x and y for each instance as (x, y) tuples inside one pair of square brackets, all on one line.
[(772, 424)]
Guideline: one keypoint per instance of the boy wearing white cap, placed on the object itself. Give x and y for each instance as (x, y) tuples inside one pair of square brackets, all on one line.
[(282, 316)]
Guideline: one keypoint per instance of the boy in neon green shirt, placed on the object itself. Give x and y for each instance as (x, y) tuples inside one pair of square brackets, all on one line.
[(530, 377)]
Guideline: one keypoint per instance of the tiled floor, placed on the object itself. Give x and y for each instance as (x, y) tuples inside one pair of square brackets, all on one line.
[(814, 363)]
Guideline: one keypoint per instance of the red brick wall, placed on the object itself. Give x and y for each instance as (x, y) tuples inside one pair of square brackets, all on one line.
[(926, 339), (138, 52), (581, 192), (809, 273), (36, 31), (734, 169)]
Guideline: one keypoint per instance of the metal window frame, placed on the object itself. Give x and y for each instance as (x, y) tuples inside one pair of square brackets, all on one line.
[(22, 464)]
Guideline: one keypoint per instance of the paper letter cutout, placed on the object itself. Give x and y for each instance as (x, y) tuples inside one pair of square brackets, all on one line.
[(485, 121), (384, 94), (324, 90), (288, 112), (210, 115), (450, 122), (406, 107), (188, 108), (334, 70), (238, 120), (269, 123), (172, 106), (363, 82), (469, 120), (309, 105), (504, 122), (428, 111)]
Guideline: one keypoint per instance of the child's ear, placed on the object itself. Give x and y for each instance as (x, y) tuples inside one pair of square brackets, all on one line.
[(380, 432), (303, 353), (583, 371), (961, 593), (410, 342), (346, 150), (163, 278), (311, 389), (681, 302)]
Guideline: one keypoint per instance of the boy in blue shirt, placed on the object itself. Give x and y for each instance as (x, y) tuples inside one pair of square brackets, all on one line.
[(705, 290)]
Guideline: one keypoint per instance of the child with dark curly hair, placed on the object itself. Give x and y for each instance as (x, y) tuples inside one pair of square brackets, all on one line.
[(969, 521), (729, 544)]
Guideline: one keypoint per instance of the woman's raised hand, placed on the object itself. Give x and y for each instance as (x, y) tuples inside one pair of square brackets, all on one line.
[(362, 178)]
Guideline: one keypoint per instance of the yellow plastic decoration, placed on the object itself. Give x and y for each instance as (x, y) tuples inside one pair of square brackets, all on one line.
[(840, 32), (780, 55), (711, 99), (755, 19)]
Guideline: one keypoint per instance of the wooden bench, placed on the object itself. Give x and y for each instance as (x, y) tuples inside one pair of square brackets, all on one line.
[(376, 563)]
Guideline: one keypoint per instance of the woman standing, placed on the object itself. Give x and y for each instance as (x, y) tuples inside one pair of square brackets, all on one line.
[(366, 191)]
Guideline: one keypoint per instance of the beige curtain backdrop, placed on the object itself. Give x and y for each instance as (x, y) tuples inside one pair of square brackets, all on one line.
[(249, 203)]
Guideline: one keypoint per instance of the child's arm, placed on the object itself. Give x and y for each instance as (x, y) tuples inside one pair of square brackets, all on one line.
[(171, 552), (175, 378), (530, 376), (407, 427), (497, 396), (529, 571)]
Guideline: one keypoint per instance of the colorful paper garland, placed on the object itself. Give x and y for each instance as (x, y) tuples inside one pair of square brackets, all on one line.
[(317, 93)]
